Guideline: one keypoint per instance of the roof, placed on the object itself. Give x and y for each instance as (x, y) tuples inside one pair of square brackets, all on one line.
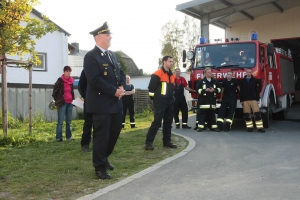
[(133, 70), (40, 15), (222, 13)]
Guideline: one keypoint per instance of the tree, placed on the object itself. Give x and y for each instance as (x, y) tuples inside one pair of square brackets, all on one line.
[(18, 31), (172, 44), (192, 34), (176, 38), (18, 35)]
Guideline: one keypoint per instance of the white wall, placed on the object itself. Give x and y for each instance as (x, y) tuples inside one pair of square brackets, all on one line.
[(271, 26), (55, 45)]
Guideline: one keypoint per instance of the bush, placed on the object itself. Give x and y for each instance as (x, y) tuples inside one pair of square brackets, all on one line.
[(12, 123)]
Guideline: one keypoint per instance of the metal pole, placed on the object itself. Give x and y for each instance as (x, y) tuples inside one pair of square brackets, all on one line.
[(30, 98), (4, 97)]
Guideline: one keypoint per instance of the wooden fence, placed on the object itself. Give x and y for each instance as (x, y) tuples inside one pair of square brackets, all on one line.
[(18, 101)]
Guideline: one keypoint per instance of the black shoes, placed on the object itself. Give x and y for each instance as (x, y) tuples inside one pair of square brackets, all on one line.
[(149, 146), (109, 166), (250, 129), (178, 127), (226, 130), (59, 140), (170, 144), (218, 130), (102, 174), (85, 148), (195, 128), (261, 130), (199, 130), (186, 127)]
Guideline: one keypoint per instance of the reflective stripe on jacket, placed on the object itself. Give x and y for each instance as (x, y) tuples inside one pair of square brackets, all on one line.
[(161, 84)]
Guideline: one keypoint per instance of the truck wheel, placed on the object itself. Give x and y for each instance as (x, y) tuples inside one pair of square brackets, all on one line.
[(283, 114), (266, 116)]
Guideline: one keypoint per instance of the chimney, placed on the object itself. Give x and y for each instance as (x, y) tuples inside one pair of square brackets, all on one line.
[(76, 50)]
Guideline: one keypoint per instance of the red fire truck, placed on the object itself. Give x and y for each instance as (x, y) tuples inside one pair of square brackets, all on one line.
[(271, 63)]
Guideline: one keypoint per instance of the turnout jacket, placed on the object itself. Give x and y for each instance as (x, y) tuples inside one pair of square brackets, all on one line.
[(161, 85), (103, 76), (250, 90), (207, 100)]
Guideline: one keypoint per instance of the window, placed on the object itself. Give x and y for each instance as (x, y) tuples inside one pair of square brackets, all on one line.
[(43, 65)]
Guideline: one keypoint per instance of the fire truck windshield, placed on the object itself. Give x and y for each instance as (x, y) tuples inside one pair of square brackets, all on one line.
[(225, 55)]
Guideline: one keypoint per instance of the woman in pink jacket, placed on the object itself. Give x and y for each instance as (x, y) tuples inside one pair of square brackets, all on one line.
[(63, 95)]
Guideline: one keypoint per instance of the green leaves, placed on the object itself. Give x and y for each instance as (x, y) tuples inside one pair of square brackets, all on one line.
[(18, 31)]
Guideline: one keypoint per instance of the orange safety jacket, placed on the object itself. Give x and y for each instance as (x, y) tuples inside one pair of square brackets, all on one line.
[(161, 85)]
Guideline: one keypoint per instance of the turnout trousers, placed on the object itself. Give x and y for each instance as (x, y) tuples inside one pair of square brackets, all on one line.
[(227, 110), (247, 107), (128, 103), (163, 109), (180, 104), (206, 115)]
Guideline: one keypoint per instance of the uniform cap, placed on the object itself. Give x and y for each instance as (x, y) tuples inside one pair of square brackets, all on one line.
[(104, 29)]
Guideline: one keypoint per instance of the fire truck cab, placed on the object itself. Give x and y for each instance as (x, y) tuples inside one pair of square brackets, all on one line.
[(272, 64)]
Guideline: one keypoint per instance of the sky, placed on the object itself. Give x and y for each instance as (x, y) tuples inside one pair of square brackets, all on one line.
[(135, 24)]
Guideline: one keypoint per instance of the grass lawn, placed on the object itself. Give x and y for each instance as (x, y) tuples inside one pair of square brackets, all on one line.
[(41, 168)]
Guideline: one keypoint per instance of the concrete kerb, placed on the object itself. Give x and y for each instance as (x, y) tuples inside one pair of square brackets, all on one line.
[(100, 192)]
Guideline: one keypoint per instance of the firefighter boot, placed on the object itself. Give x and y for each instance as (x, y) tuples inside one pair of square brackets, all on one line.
[(133, 126), (227, 127), (220, 126), (196, 127)]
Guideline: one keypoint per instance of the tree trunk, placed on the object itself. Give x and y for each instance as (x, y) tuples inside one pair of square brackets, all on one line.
[(4, 96), (30, 98)]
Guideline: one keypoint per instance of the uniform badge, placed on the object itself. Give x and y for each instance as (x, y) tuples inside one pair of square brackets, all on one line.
[(105, 65), (105, 73), (102, 54)]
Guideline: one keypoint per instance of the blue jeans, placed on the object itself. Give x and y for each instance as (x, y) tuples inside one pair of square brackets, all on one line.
[(64, 110)]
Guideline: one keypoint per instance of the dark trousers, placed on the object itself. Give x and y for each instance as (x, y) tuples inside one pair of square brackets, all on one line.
[(128, 104), (107, 128), (206, 115), (182, 106), (87, 128), (227, 111), (163, 109)]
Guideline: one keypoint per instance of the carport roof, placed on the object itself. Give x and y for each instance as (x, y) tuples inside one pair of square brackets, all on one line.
[(222, 13)]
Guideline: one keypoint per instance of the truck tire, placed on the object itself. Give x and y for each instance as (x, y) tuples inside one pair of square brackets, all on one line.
[(266, 116), (282, 115)]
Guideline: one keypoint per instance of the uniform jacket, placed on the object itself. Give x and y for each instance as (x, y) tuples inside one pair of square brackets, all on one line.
[(58, 92), (82, 84), (250, 91), (103, 79), (161, 85), (230, 88), (207, 100)]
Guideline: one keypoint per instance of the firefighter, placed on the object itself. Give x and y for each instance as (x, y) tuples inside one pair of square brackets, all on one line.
[(161, 89), (180, 103), (128, 103), (207, 89), (249, 97), (229, 87)]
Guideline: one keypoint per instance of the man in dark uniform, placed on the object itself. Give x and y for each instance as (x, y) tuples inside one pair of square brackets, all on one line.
[(88, 118), (229, 88), (180, 103), (249, 97), (161, 88), (105, 88), (207, 89), (128, 103)]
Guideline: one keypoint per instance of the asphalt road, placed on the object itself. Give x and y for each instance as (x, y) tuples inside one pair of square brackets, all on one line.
[(225, 165)]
